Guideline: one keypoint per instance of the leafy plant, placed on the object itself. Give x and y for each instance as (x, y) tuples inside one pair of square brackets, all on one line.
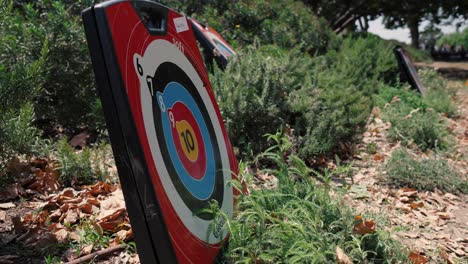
[(438, 96), (403, 170), (423, 128), (299, 222), (241, 22), (75, 167), (253, 94)]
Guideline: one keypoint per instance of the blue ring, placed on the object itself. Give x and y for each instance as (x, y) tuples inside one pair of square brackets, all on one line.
[(173, 93)]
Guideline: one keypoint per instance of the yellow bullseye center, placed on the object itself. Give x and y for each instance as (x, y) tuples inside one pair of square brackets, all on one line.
[(188, 141)]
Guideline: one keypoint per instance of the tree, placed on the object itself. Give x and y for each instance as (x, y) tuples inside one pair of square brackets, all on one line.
[(342, 13)]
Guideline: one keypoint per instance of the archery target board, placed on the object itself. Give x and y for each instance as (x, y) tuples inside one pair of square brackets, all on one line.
[(408, 70), (211, 40), (156, 76)]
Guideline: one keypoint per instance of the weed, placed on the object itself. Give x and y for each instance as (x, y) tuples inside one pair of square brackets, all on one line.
[(299, 222), (49, 259), (91, 233), (74, 166), (424, 128), (371, 148), (403, 170), (438, 96)]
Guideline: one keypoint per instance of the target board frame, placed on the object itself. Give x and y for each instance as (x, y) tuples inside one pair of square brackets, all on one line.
[(407, 69), (172, 151), (213, 43)]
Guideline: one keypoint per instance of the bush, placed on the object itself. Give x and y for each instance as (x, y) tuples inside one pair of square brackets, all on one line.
[(299, 222), (253, 93), (45, 60), (69, 93), (75, 167), (17, 134), (366, 60), (24, 50), (346, 80), (409, 125), (241, 22), (403, 170), (437, 96), (326, 100), (455, 39)]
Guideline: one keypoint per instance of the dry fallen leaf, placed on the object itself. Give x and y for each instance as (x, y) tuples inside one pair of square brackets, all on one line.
[(417, 258), (2, 216), (416, 205), (86, 250), (61, 235), (341, 257), (7, 205), (362, 227), (379, 157)]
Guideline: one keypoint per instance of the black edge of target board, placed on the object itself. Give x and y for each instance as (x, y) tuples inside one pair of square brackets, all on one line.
[(151, 236), (405, 71)]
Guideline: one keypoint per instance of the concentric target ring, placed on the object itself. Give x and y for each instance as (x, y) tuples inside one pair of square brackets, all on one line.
[(211, 186), (162, 68)]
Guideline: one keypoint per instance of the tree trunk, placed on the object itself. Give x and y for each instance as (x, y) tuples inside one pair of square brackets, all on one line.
[(413, 25)]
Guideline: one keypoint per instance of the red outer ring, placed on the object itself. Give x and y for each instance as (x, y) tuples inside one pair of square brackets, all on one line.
[(129, 37)]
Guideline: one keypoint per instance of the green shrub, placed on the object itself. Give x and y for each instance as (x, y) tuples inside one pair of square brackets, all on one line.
[(75, 167), (330, 115), (326, 100), (285, 24), (299, 222), (406, 94), (455, 39), (253, 93), (69, 92), (24, 50), (366, 60), (438, 96), (17, 134), (409, 125), (403, 170)]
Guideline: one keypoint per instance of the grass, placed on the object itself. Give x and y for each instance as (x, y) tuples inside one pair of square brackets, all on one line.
[(405, 171), (423, 128), (299, 221)]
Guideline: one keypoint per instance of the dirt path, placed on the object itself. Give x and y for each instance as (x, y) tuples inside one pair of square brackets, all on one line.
[(451, 70), (432, 223)]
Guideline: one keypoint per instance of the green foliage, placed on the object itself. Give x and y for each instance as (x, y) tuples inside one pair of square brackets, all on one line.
[(299, 222), (45, 61), (365, 59), (403, 170), (437, 96), (252, 93), (91, 233), (69, 94), (325, 100), (424, 128), (285, 24), (17, 135), (24, 52), (85, 166), (415, 118), (346, 80), (75, 167), (455, 39)]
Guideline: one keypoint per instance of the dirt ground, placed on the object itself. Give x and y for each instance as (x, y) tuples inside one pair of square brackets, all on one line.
[(434, 224)]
